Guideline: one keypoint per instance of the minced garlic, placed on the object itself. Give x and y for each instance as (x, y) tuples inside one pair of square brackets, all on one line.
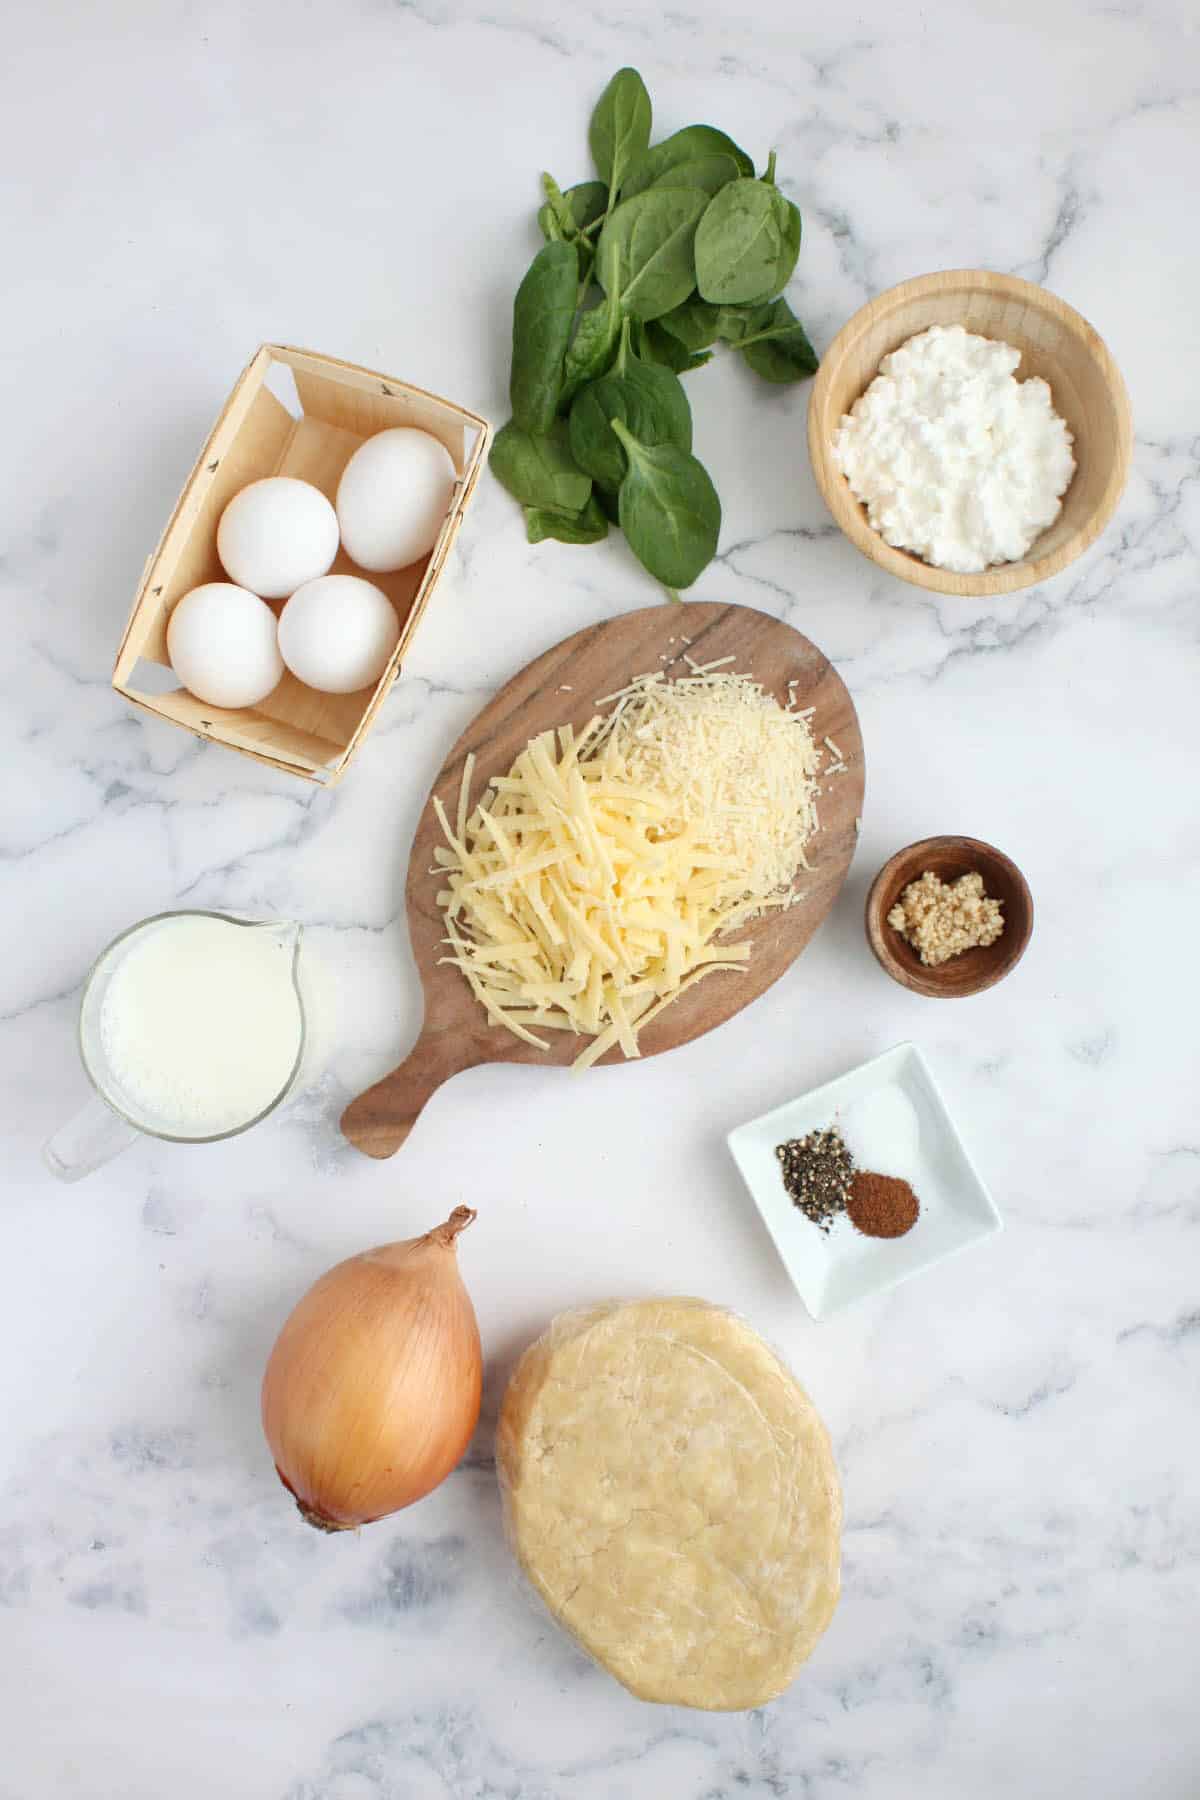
[(941, 919)]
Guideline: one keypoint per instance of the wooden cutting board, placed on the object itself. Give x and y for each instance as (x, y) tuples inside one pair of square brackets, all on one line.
[(561, 688)]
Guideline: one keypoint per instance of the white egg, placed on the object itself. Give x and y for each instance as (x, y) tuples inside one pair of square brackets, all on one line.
[(223, 643), (276, 535), (336, 634), (392, 498)]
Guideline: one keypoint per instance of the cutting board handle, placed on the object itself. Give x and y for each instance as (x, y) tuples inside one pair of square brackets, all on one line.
[(379, 1121)]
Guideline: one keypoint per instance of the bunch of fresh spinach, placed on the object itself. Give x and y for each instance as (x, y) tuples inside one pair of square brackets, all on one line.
[(677, 247)]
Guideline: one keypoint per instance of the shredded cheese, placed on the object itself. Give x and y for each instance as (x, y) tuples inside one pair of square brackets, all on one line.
[(587, 888), (730, 761)]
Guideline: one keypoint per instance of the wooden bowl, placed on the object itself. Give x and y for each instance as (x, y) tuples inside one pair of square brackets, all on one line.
[(973, 970), (1055, 342)]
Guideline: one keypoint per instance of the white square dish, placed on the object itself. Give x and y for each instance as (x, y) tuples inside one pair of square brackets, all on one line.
[(894, 1122)]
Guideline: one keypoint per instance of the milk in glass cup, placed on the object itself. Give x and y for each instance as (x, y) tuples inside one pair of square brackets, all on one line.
[(191, 1028)]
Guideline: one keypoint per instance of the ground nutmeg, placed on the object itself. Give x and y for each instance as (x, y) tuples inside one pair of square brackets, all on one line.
[(881, 1205)]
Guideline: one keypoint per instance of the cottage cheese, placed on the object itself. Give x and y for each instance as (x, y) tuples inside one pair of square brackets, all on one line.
[(951, 456)]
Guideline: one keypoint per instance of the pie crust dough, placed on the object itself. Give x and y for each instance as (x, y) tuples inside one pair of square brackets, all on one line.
[(671, 1493)]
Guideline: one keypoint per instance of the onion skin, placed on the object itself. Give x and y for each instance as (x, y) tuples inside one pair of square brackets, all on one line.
[(372, 1391)]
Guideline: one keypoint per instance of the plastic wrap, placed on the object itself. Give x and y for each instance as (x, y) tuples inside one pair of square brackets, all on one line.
[(670, 1492)]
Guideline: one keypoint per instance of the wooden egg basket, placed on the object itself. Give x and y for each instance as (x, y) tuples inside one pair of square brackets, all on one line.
[(308, 734)]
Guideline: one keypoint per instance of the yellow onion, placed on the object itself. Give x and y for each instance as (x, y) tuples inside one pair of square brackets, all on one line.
[(372, 1390)]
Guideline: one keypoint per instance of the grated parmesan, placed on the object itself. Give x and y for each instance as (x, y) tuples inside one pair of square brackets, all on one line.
[(731, 759), (587, 888)]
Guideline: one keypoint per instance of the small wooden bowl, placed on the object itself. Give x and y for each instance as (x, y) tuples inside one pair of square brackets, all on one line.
[(1055, 342), (973, 970)]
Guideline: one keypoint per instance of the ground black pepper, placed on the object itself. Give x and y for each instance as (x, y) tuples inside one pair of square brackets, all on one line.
[(817, 1173)]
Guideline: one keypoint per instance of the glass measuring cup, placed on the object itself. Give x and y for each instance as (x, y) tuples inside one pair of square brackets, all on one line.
[(115, 1118)]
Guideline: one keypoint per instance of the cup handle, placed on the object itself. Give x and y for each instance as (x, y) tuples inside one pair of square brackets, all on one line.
[(93, 1136)]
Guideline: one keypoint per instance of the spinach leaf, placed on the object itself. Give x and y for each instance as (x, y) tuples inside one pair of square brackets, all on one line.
[(682, 147), (649, 400), (591, 350), (772, 340), (711, 173), (568, 215), (669, 510), (661, 391), (542, 314), (734, 322), (554, 217), (787, 357), (620, 127), (586, 527), (740, 325), (747, 242), (658, 346), (644, 257), (539, 471), (608, 505), (695, 323)]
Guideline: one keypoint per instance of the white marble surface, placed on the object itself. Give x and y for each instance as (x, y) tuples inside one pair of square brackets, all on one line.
[(1016, 1430)]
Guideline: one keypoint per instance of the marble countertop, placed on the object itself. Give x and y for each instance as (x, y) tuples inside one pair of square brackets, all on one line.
[(1016, 1430)]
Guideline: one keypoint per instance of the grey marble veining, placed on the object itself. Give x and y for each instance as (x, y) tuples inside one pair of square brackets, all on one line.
[(1016, 1431)]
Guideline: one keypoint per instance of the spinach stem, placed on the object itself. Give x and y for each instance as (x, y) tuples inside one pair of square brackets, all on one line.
[(759, 337)]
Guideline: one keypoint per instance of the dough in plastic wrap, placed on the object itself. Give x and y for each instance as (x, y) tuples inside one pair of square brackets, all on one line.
[(671, 1493)]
